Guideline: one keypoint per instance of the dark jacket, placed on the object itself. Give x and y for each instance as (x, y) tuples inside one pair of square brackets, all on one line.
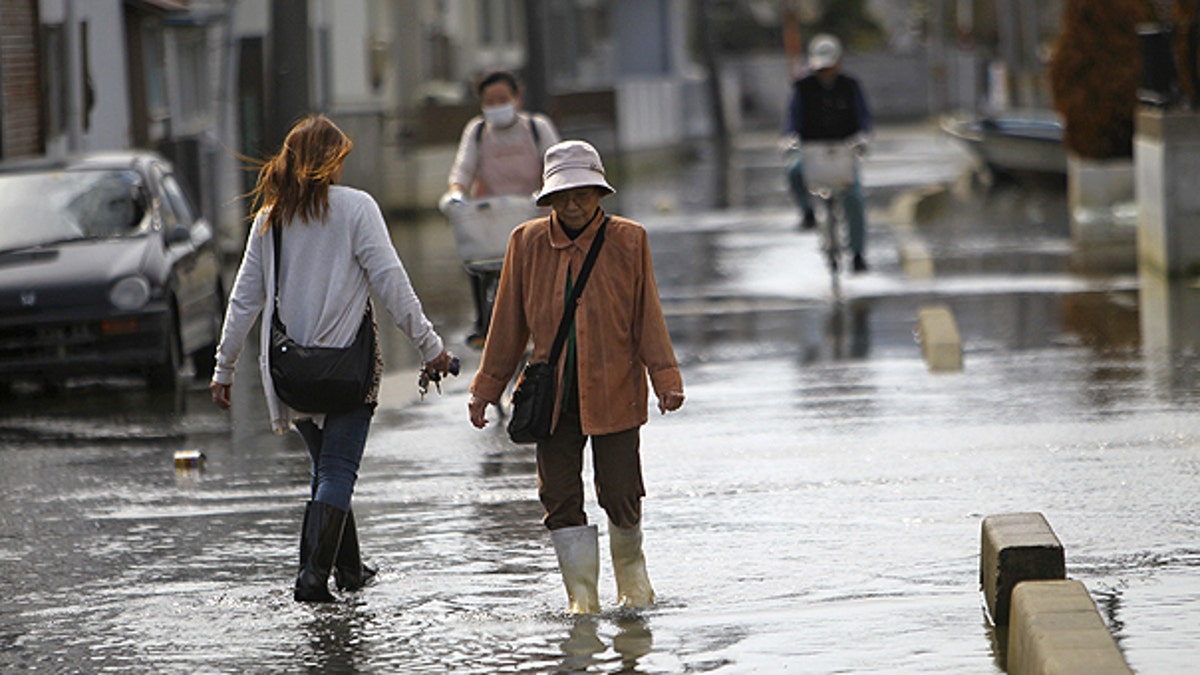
[(818, 113)]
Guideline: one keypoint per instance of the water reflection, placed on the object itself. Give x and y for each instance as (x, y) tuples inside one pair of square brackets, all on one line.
[(1106, 322), (997, 642), (849, 330), (633, 640), (585, 650), (815, 458), (1170, 315), (335, 641), (582, 646)]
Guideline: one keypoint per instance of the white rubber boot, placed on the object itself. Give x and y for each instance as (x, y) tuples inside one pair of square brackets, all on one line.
[(629, 566), (578, 551)]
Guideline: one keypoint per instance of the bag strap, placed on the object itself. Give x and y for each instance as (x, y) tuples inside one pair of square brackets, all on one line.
[(278, 236), (569, 309), (537, 135)]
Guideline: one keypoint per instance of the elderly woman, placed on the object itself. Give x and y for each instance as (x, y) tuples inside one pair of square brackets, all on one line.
[(618, 337)]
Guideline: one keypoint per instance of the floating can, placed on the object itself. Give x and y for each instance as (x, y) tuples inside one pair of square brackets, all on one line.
[(188, 459)]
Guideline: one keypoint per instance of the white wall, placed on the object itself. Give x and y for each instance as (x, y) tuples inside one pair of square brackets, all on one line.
[(251, 17), (109, 128), (352, 25), (649, 112)]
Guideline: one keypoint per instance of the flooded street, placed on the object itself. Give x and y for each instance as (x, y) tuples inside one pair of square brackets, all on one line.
[(814, 507)]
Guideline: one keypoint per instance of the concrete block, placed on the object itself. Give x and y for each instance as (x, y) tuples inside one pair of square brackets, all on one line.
[(1016, 547), (1056, 629), (916, 259), (919, 205), (1167, 158), (940, 341)]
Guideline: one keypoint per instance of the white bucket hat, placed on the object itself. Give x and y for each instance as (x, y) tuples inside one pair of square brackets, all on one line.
[(571, 164), (824, 52)]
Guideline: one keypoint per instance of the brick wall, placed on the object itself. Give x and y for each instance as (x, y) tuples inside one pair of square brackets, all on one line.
[(20, 80)]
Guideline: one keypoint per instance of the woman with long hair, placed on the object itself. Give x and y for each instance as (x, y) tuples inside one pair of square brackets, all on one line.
[(334, 250)]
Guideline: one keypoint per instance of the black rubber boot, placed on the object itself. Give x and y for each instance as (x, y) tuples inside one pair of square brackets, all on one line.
[(350, 573), (304, 535), (319, 541)]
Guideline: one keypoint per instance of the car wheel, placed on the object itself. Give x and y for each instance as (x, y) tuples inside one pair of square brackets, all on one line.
[(166, 374)]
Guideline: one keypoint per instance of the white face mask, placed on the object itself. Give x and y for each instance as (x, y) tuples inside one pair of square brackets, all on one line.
[(500, 115)]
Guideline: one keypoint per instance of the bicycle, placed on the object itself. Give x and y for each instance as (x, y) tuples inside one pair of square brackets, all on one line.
[(830, 171)]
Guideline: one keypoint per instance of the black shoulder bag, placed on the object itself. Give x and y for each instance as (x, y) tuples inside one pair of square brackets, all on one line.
[(533, 399), (320, 379)]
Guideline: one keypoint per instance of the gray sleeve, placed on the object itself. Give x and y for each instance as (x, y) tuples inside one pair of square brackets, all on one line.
[(246, 302), (388, 278)]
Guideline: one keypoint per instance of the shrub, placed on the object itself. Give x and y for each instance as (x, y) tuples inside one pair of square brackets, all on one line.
[(1186, 19), (1094, 75)]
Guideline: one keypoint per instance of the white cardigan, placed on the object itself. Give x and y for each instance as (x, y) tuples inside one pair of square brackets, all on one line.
[(327, 270)]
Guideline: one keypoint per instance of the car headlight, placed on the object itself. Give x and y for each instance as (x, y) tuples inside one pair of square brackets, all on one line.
[(130, 293)]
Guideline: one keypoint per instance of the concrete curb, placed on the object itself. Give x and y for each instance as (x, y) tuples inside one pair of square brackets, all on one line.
[(908, 209), (1016, 547), (1056, 628), (941, 343), (1053, 625)]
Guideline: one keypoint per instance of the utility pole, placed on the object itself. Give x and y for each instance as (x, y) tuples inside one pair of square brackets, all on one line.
[(289, 67), (74, 51), (535, 95)]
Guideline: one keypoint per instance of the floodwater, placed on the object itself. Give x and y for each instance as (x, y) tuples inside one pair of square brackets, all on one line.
[(815, 506)]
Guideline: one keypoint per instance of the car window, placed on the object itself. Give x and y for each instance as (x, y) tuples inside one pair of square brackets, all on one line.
[(184, 213), (55, 206)]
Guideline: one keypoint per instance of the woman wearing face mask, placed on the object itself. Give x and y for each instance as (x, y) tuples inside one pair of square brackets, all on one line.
[(500, 153)]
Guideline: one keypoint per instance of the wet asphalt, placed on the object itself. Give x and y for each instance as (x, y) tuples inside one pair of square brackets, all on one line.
[(814, 507)]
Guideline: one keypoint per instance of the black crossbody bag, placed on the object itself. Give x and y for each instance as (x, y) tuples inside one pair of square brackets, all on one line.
[(533, 399), (320, 379)]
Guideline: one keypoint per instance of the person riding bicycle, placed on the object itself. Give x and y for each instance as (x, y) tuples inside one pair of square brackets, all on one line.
[(828, 105), (500, 153)]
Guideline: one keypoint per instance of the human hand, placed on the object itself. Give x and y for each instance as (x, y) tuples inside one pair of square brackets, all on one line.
[(443, 363), (434, 370), (859, 143), (669, 401), (477, 408), (452, 199), (220, 394)]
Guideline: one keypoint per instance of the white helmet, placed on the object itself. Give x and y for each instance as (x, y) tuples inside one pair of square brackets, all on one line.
[(824, 51)]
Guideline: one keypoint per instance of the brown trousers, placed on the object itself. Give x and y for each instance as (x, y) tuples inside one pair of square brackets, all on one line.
[(617, 464)]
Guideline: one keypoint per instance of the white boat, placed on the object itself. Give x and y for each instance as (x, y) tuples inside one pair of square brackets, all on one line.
[(1014, 143)]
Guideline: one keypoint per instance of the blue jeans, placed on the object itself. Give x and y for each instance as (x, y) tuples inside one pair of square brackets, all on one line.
[(336, 451), (852, 203)]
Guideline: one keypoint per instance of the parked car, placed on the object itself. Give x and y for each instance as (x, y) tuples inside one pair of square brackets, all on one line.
[(105, 268)]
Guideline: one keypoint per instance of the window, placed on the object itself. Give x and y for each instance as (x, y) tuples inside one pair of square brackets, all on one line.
[(497, 22), (152, 60), (177, 202), (194, 100)]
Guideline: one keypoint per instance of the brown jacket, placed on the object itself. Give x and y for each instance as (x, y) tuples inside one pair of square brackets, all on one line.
[(620, 330)]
